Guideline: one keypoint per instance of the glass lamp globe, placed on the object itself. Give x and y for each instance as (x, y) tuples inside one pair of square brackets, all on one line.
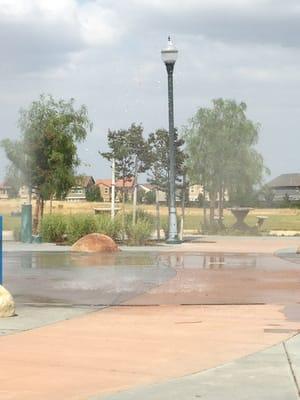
[(169, 53)]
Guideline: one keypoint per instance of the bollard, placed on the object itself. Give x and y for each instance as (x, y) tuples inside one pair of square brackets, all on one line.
[(1, 261), (26, 223)]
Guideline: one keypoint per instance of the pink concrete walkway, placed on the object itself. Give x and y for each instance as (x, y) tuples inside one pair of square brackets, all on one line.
[(240, 244), (122, 347)]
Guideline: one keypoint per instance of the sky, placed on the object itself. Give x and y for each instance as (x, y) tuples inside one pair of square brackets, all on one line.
[(106, 54)]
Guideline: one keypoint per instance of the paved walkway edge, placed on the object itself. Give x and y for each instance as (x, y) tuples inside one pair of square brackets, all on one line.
[(273, 373)]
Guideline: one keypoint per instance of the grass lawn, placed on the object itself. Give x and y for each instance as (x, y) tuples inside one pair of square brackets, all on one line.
[(278, 219), (11, 223), (274, 222)]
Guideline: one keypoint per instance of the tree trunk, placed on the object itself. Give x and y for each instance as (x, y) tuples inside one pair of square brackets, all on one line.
[(123, 208), (51, 206), (42, 204), (222, 203), (212, 206), (204, 208), (135, 191), (182, 207), (220, 206), (29, 194), (35, 224)]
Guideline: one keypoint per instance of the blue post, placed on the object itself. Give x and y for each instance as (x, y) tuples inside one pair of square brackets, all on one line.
[(1, 263)]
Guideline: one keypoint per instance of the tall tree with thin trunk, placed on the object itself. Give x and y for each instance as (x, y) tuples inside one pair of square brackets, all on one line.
[(128, 148), (220, 144), (158, 164), (50, 130)]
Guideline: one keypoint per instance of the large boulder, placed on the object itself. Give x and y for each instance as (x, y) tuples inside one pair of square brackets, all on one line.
[(7, 304), (95, 243)]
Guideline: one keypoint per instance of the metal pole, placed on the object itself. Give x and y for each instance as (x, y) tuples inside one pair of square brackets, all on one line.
[(1, 250), (134, 208), (157, 214), (173, 235), (113, 187), (182, 206)]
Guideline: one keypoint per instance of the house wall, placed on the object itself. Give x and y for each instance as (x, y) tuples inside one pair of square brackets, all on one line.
[(4, 193), (194, 192), (77, 193), (105, 192), (280, 193)]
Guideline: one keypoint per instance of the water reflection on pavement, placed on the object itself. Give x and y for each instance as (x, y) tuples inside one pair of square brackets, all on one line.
[(82, 279), (150, 278)]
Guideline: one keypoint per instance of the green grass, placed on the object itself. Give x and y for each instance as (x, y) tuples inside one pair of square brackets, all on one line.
[(274, 222), (11, 223), (193, 222)]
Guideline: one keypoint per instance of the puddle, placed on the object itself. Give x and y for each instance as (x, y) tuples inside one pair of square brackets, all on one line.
[(137, 278)]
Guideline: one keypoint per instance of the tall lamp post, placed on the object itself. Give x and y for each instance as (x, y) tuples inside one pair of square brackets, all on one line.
[(169, 57)]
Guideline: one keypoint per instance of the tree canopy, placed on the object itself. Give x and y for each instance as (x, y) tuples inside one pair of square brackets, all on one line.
[(46, 153), (158, 159), (220, 144), (128, 149)]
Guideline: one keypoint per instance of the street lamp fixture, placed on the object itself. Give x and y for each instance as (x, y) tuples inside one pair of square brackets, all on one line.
[(169, 57)]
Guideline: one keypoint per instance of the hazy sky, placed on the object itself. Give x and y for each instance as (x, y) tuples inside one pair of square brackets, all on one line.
[(106, 54)]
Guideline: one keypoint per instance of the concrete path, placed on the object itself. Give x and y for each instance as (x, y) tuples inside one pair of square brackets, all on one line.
[(262, 376), (120, 348), (32, 316), (124, 352), (234, 244)]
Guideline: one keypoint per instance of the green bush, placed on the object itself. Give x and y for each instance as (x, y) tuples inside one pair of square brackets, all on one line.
[(53, 228), (80, 225), (139, 233), (140, 215), (109, 227)]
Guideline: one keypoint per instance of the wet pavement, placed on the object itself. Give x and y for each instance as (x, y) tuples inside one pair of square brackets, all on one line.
[(81, 279), (133, 278), (238, 304)]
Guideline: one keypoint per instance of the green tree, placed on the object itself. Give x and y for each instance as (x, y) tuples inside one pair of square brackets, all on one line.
[(158, 159), (221, 154), (268, 195), (93, 194), (158, 165), (128, 149), (14, 180), (50, 130)]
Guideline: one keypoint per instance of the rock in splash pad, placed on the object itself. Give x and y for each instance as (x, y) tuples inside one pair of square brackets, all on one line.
[(7, 304), (95, 243)]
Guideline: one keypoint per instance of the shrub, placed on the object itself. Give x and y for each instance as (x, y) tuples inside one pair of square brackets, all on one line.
[(80, 225), (140, 215), (109, 227), (139, 233), (53, 228)]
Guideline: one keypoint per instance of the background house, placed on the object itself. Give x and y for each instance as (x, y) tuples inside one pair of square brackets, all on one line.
[(105, 186), (286, 187), (194, 192), (78, 192), (4, 191)]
